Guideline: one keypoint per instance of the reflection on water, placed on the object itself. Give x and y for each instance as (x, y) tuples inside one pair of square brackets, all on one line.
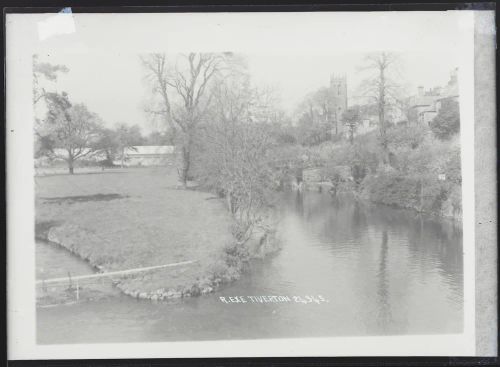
[(384, 271), (383, 285)]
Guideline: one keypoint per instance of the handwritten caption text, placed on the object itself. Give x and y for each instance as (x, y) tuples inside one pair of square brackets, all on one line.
[(318, 299)]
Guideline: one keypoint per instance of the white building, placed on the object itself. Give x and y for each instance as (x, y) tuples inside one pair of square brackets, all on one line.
[(148, 155)]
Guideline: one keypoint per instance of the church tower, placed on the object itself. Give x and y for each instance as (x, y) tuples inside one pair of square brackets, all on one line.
[(338, 93)]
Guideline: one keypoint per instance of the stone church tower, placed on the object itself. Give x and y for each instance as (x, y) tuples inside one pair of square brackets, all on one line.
[(338, 93)]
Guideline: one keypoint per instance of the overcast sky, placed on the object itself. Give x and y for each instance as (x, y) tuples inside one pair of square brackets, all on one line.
[(110, 79)]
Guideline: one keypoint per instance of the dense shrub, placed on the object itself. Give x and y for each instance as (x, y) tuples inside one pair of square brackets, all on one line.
[(406, 136), (311, 134), (412, 179), (391, 188), (235, 160), (362, 158), (447, 121), (436, 157), (422, 193)]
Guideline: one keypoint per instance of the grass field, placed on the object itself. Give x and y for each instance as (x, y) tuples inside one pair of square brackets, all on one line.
[(129, 218)]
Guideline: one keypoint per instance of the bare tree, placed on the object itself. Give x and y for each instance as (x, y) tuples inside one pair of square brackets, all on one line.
[(351, 118), (380, 86), (184, 92), (316, 115), (236, 156), (323, 99), (127, 137)]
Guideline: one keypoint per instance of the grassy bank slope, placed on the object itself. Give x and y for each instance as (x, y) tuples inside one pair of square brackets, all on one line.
[(124, 219)]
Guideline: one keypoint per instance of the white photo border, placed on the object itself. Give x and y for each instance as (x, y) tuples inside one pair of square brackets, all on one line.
[(260, 32)]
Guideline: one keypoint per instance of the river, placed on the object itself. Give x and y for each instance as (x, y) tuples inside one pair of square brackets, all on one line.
[(367, 269)]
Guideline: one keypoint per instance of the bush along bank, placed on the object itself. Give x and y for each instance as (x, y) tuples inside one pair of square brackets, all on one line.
[(417, 171), (425, 194)]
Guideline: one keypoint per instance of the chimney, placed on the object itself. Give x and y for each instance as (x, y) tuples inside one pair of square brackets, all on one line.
[(420, 91), (453, 76)]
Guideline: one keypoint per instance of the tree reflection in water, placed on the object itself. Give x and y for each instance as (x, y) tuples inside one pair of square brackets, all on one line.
[(385, 315)]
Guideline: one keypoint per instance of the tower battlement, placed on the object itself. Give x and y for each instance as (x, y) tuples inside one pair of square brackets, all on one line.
[(335, 79)]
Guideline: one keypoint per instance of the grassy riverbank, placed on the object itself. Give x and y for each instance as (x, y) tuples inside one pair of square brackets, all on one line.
[(133, 218)]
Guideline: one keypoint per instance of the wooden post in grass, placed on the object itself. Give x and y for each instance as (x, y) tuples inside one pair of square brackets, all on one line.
[(77, 290)]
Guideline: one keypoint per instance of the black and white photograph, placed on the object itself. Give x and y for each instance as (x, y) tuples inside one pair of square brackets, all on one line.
[(243, 178)]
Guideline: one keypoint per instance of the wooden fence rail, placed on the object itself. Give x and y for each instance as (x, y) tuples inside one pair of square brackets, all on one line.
[(112, 273)]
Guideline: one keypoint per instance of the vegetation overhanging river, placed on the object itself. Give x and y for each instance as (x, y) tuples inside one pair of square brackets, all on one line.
[(376, 271)]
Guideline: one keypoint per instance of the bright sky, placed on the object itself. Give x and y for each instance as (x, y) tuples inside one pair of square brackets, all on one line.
[(110, 80)]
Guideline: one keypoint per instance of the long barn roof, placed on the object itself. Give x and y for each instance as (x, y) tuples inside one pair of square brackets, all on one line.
[(149, 149)]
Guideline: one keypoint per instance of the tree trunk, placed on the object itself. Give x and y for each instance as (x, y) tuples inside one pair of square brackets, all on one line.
[(381, 116), (186, 162), (186, 157), (70, 164)]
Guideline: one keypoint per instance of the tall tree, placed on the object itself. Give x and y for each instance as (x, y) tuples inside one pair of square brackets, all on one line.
[(72, 129), (316, 117), (323, 99), (236, 157), (351, 118), (114, 142), (47, 71), (380, 86), (108, 144), (184, 93), (127, 137), (447, 121), (160, 138), (43, 72)]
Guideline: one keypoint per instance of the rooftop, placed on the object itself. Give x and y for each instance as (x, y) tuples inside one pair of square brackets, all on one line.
[(149, 149)]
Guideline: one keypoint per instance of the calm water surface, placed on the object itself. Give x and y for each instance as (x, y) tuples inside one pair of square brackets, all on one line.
[(383, 271)]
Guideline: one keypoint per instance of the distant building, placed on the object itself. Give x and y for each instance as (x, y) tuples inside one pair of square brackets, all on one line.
[(144, 155), (148, 155), (424, 103), (338, 95), (450, 91), (427, 104)]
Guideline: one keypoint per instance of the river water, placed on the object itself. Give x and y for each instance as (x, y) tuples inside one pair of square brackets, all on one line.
[(347, 269)]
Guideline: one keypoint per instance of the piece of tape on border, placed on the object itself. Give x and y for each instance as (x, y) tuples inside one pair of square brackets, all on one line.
[(61, 23)]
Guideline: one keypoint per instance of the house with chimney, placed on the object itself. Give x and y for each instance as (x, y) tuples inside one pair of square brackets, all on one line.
[(427, 103), (450, 91)]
